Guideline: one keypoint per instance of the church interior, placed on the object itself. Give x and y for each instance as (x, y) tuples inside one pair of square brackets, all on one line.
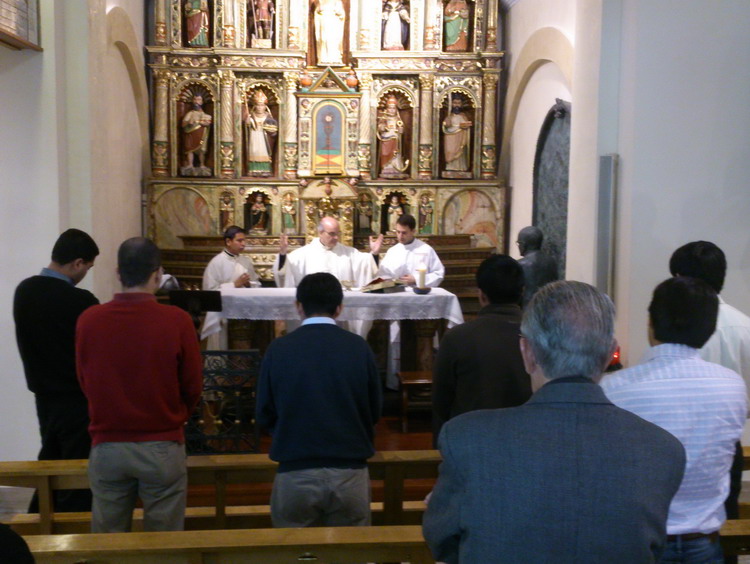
[(621, 127)]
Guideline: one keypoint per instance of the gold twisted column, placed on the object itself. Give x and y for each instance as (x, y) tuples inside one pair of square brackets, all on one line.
[(289, 140), (426, 142), (160, 145), (489, 143), (364, 151), (160, 22), (226, 136)]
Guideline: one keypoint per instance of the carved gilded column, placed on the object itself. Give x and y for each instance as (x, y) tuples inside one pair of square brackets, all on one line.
[(290, 125), (489, 147), (225, 126), (492, 22), (297, 14), (430, 21), (160, 22), (228, 29), (364, 152), (160, 145), (426, 83)]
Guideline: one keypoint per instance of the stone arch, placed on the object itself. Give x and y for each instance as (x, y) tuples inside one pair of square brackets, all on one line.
[(546, 45), (121, 34)]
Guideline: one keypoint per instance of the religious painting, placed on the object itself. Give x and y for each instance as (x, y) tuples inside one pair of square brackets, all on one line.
[(260, 133), (195, 108), (393, 132), (457, 17), (258, 213), (471, 212), (180, 211), (456, 135), (391, 210), (328, 138), (197, 23), (426, 214)]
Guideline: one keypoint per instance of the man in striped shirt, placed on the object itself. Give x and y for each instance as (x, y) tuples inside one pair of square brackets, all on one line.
[(701, 403)]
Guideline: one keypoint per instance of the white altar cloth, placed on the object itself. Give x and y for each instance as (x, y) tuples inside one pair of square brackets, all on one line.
[(278, 303)]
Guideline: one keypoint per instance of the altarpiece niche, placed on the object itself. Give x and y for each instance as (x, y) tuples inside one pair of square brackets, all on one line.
[(273, 113)]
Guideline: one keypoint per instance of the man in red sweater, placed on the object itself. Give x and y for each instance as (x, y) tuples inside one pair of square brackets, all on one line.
[(140, 367)]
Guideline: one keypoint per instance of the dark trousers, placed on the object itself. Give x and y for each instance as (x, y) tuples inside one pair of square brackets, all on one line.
[(732, 505), (64, 426)]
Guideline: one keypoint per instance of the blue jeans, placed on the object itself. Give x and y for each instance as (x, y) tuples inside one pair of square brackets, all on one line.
[(702, 550)]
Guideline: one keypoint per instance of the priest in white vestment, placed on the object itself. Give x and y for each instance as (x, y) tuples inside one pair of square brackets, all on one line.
[(326, 254), (402, 262), (228, 267)]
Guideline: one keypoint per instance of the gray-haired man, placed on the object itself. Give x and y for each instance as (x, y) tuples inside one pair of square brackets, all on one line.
[(589, 479)]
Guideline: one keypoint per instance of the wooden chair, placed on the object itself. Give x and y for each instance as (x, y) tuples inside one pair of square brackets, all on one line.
[(416, 391)]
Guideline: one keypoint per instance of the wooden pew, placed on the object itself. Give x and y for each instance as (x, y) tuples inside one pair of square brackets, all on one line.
[(280, 546), (219, 471)]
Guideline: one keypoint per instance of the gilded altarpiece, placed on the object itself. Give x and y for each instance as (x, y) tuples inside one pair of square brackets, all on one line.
[(307, 108)]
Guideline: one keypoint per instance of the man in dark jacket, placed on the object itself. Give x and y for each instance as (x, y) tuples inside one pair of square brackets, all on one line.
[(479, 364), (46, 308)]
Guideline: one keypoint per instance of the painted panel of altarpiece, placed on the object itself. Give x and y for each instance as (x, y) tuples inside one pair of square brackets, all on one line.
[(181, 211)]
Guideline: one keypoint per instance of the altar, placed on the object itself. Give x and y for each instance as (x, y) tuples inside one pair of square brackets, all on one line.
[(426, 310)]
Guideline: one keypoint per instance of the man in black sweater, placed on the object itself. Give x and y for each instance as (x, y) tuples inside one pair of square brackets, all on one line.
[(479, 363), (320, 396), (46, 308)]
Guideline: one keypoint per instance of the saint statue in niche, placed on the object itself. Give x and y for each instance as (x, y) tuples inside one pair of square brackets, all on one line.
[(456, 129), (196, 22), (395, 209), (226, 211), (260, 19), (260, 136), (364, 213), (259, 213), (426, 213), (390, 134), (196, 126), (329, 32), (456, 29), (395, 27), (289, 214)]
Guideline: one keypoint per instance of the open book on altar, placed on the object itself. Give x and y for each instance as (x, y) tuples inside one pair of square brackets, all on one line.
[(383, 286)]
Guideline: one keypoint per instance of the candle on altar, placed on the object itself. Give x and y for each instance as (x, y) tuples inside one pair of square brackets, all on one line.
[(421, 272)]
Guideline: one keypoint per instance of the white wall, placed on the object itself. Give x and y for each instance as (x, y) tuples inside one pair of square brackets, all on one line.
[(31, 156), (546, 84), (683, 135), (46, 182)]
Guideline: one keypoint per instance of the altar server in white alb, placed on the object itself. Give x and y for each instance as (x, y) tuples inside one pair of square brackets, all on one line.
[(326, 254), (404, 260), (412, 262), (228, 267)]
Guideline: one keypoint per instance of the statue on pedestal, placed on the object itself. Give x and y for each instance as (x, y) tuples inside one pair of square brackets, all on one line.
[(329, 32), (394, 210), (426, 213), (260, 135), (395, 27), (456, 128), (196, 126), (226, 211), (261, 23), (259, 214), (390, 134), (456, 18), (538, 268), (289, 214), (364, 213), (196, 23)]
